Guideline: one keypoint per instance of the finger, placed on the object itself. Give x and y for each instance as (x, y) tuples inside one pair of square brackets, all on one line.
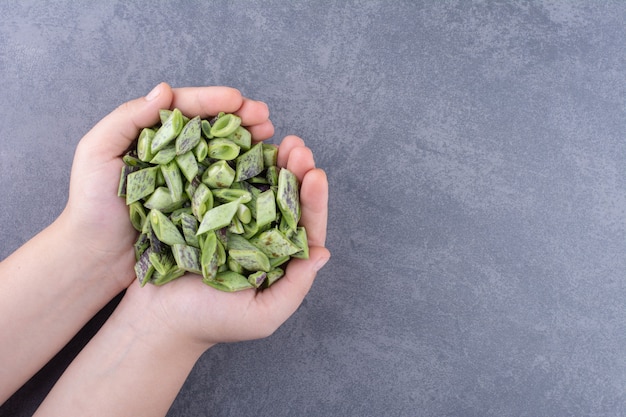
[(288, 143), (283, 298), (206, 101), (300, 161), (261, 131), (253, 112), (115, 132), (314, 205)]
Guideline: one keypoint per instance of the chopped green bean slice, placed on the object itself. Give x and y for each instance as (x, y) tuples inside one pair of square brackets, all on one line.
[(250, 163), (242, 137), (140, 184), (222, 148), (201, 151), (168, 131), (209, 257), (274, 243), (276, 262), (164, 156), (188, 165), (144, 142), (244, 214), (225, 125), (126, 169), (189, 136), (144, 268), (164, 229), (265, 208), (236, 226), (162, 262), (170, 275), (173, 179), (187, 257), (257, 278), (252, 260), (230, 281), (206, 129), (270, 154), (161, 199), (301, 241), (218, 217), (202, 201), (137, 215), (272, 175), (219, 175), (288, 197), (189, 224), (273, 276), (231, 194)]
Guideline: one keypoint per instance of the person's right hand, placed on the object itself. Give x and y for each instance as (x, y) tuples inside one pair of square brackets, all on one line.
[(188, 309)]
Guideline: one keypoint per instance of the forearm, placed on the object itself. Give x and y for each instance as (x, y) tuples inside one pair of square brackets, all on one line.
[(47, 293), (133, 366)]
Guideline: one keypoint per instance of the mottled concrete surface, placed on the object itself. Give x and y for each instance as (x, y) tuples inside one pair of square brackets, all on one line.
[(476, 153)]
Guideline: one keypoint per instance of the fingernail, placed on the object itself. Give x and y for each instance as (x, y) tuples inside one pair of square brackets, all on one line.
[(154, 93), (320, 263)]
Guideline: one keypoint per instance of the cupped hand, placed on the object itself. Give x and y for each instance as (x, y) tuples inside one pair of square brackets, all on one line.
[(95, 219), (189, 309)]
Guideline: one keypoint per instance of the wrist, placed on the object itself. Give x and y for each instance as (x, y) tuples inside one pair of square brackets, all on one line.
[(142, 312), (110, 272)]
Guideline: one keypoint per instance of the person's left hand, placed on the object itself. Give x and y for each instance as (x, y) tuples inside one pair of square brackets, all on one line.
[(95, 219)]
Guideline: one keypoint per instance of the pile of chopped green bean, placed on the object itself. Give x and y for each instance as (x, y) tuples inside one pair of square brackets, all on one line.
[(208, 200)]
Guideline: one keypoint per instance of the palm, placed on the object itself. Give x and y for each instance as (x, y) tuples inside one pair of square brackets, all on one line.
[(205, 314)]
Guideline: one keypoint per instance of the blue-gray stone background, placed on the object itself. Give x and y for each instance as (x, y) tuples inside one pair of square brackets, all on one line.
[(476, 153)]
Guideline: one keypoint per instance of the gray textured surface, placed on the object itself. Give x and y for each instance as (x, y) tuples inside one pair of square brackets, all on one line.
[(476, 155)]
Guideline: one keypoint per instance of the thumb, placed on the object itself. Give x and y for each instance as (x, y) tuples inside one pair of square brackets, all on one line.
[(112, 136)]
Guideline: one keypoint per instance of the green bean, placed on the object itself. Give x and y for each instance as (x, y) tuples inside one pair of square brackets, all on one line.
[(137, 215), (144, 143), (273, 276), (250, 163), (222, 148), (300, 240), (173, 179), (209, 259), (201, 151), (265, 208), (288, 198), (206, 129), (170, 128), (270, 155), (218, 217), (144, 268), (164, 156), (231, 194), (164, 229), (274, 243), (189, 225), (140, 184), (219, 175), (187, 257), (230, 281), (188, 165), (206, 200), (225, 125), (161, 199), (202, 201), (242, 137), (257, 278), (189, 136), (162, 262)]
